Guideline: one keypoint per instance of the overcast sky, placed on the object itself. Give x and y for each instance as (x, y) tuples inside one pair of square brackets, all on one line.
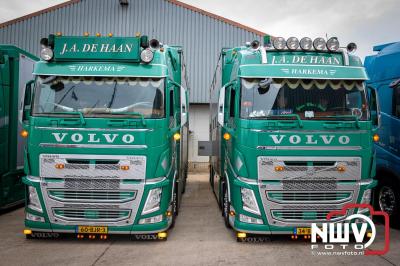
[(366, 22)]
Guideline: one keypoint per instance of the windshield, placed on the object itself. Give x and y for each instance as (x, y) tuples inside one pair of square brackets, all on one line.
[(309, 99), (99, 96)]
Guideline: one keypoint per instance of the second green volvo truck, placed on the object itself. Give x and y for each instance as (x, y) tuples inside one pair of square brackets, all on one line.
[(106, 121), (291, 132)]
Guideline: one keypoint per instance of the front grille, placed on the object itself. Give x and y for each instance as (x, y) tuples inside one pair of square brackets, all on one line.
[(303, 215), (316, 197), (92, 184), (105, 215), (92, 196), (310, 185)]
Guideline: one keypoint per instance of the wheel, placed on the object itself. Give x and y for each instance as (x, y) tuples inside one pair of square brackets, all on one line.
[(388, 200), (226, 207)]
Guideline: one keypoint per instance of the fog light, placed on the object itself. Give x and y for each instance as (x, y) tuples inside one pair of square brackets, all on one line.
[(162, 235), (27, 232), (376, 137), (151, 220), (241, 234), (34, 218), (250, 220)]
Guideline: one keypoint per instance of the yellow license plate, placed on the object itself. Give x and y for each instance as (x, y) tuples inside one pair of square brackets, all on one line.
[(92, 229), (303, 231)]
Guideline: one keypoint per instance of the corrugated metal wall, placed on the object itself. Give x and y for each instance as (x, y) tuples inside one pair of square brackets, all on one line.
[(201, 36)]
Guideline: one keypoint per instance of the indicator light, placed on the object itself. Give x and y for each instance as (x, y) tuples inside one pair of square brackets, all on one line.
[(59, 166), (341, 168), (227, 136), (241, 234), (27, 232), (279, 168), (369, 234), (162, 235), (86, 34), (124, 167), (376, 137), (24, 133), (168, 213), (59, 33), (110, 34), (177, 136), (98, 34), (232, 213)]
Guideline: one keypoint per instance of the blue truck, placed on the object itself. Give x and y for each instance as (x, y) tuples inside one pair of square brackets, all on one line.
[(384, 72)]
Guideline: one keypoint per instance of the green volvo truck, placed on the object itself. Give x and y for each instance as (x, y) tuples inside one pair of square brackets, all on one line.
[(106, 120), (16, 67), (291, 130)]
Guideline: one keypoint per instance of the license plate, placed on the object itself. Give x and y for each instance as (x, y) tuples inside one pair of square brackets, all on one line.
[(92, 230), (303, 231)]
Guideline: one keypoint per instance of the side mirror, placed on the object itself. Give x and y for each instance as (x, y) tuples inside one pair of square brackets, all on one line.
[(184, 106), (26, 105), (374, 107)]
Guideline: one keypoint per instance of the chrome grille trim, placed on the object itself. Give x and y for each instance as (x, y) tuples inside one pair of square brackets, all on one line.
[(103, 215), (92, 196), (327, 197)]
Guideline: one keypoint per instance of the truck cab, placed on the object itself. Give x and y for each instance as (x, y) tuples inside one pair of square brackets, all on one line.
[(384, 72), (291, 133), (106, 126), (16, 67)]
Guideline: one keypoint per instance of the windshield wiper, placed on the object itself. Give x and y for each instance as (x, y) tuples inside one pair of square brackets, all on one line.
[(282, 115), (130, 113), (73, 112), (113, 95)]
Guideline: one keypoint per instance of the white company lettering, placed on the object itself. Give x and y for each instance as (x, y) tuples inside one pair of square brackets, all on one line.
[(93, 138), (310, 139)]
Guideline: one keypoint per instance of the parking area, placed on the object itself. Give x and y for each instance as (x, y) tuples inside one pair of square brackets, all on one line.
[(199, 238)]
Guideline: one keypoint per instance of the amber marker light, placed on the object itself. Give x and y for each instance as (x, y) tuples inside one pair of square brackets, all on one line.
[(59, 166), (341, 168), (110, 34), (375, 137), (124, 167), (168, 213), (232, 213), (86, 34), (137, 34), (177, 136), (24, 133), (59, 33), (227, 136), (98, 34), (162, 235), (279, 168), (27, 232)]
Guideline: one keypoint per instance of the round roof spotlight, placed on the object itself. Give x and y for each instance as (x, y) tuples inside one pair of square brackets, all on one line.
[(332, 44), (255, 44), (146, 55), (351, 47), (319, 44), (46, 54), (292, 43), (155, 44), (306, 43), (279, 43)]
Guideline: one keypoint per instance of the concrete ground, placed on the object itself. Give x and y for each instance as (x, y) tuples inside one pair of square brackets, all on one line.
[(199, 238)]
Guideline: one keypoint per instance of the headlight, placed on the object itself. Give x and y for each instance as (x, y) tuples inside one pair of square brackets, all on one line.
[(279, 43), (319, 44), (292, 43), (332, 44), (46, 54), (153, 201), (146, 55), (34, 202), (249, 201), (34, 218), (151, 220)]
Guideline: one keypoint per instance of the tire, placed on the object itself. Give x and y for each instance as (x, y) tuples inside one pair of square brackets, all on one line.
[(387, 198), (225, 206)]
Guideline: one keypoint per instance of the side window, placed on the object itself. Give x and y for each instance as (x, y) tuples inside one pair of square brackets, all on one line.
[(396, 101)]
